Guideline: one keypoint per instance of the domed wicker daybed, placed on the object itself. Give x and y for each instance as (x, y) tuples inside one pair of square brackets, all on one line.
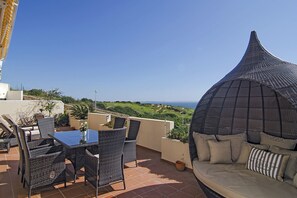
[(258, 95)]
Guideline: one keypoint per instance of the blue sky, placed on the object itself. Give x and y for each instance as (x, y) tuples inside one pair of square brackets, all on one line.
[(141, 50)]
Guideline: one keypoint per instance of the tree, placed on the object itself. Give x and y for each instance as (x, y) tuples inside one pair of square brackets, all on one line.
[(35, 92), (54, 94), (48, 104), (67, 99)]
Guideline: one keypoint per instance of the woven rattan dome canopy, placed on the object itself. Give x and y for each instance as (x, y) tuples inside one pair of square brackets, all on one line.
[(259, 94)]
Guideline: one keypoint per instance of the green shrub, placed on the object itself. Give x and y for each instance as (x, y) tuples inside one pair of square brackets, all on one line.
[(67, 99), (180, 133), (125, 110), (61, 120), (79, 111), (86, 100), (35, 92), (100, 105)]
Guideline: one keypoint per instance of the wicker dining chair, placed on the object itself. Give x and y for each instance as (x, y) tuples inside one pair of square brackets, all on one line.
[(106, 165), (46, 126), (43, 166), (119, 122), (130, 142), (35, 144)]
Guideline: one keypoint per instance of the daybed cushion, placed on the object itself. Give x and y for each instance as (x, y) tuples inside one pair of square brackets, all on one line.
[(277, 141), (291, 168), (267, 163), (236, 141), (246, 149), (233, 180), (202, 145), (220, 152)]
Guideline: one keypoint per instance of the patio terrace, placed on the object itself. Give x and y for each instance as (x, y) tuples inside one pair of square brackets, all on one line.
[(152, 178)]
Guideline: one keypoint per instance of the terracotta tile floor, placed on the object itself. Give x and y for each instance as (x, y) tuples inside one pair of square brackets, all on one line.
[(152, 178)]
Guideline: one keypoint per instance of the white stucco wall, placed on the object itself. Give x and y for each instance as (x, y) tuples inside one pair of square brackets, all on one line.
[(151, 132), (14, 95), (95, 120), (173, 150), (26, 108)]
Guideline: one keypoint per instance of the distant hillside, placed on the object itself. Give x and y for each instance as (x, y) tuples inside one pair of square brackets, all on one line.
[(156, 111), (181, 116)]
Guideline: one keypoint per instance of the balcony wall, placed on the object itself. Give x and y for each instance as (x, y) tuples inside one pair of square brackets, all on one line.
[(26, 108), (96, 120), (173, 150), (151, 132)]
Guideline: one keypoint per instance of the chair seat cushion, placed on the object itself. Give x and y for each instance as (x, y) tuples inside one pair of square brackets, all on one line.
[(233, 180), (34, 134)]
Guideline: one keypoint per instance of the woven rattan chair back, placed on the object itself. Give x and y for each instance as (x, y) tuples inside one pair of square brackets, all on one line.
[(46, 126), (43, 166), (130, 143), (133, 129), (104, 165), (110, 150), (21, 151), (119, 122), (25, 150), (17, 134)]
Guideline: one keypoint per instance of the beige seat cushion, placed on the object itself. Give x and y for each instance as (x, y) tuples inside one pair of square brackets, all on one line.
[(295, 180), (291, 168), (220, 152), (236, 141), (34, 134), (234, 181), (246, 149), (202, 145), (277, 141)]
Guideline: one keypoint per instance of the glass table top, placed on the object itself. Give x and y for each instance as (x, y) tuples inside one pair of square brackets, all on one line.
[(74, 139)]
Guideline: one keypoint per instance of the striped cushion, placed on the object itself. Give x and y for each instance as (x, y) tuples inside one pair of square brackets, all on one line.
[(267, 163)]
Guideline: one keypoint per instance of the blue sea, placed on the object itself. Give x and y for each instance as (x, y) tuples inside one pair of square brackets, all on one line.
[(191, 105)]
